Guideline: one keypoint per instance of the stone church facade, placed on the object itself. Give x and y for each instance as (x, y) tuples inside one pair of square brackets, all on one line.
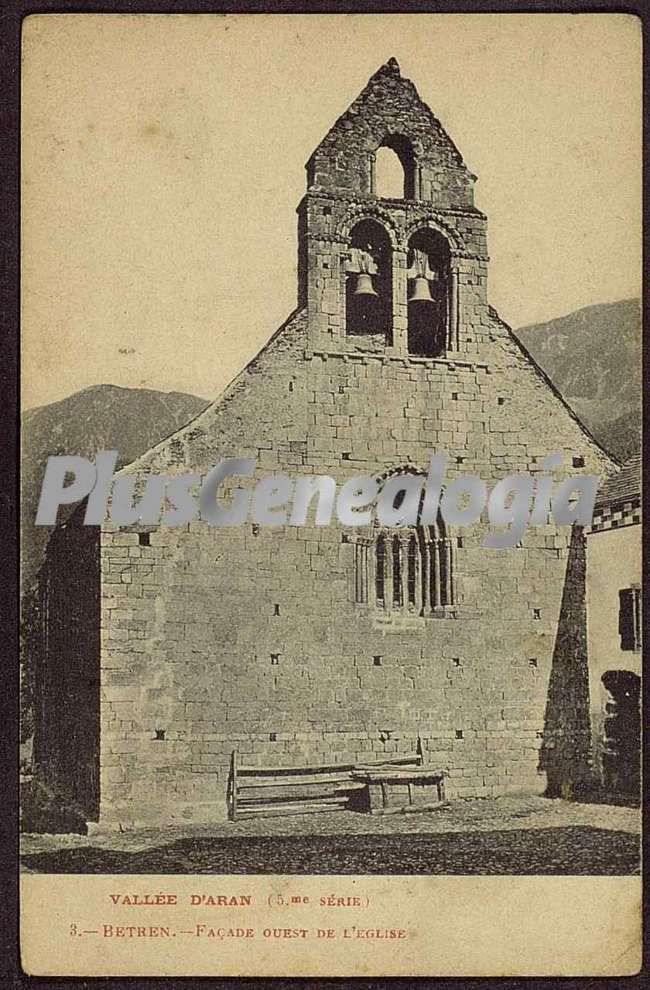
[(318, 644)]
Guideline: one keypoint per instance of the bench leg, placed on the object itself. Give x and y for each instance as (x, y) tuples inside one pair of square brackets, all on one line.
[(231, 793)]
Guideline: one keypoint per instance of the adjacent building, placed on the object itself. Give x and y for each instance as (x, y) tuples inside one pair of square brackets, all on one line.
[(614, 613)]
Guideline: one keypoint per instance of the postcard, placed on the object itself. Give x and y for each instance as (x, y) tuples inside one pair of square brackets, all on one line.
[(331, 527)]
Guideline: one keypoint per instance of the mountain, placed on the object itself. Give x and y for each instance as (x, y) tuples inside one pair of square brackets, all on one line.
[(103, 417), (622, 436), (593, 357)]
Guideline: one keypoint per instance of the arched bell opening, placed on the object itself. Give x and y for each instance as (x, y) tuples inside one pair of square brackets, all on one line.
[(368, 283), (393, 175), (428, 274), (621, 750)]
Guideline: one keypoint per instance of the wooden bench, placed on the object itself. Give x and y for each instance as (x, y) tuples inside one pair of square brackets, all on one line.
[(266, 791)]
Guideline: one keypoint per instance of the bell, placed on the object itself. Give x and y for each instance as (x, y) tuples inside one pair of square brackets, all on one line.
[(364, 286), (420, 291)]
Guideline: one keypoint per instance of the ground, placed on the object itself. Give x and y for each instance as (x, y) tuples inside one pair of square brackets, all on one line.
[(524, 835)]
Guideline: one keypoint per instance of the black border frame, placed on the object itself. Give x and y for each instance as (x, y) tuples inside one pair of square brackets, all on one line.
[(12, 14)]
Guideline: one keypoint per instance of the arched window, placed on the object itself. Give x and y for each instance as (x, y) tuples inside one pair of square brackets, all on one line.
[(368, 283), (428, 293), (416, 575), (394, 169), (413, 568)]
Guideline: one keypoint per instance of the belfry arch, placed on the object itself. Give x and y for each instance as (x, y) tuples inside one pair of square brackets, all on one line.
[(388, 157), (429, 283), (393, 169), (369, 282)]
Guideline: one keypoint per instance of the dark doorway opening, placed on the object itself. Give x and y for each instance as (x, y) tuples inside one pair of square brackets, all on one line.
[(621, 760)]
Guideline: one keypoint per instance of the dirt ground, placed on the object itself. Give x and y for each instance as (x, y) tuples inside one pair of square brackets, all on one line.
[(532, 835)]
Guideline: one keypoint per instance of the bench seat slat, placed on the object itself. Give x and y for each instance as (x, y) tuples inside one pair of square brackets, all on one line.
[(246, 770), (286, 805), (267, 812), (274, 771), (292, 781), (317, 793)]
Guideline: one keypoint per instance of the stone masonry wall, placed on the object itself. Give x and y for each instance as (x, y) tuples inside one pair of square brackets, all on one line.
[(251, 639), (389, 107), (327, 221), (190, 623)]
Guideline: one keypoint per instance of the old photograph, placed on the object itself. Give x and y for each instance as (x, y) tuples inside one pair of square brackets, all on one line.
[(379, 278)]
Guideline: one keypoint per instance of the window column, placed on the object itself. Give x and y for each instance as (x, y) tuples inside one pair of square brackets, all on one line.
[(437, 573), (447, 557), (400, 304), (404, 539), (453, 341)]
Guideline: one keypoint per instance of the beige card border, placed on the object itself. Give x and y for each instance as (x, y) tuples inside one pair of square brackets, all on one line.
[(455, 926)]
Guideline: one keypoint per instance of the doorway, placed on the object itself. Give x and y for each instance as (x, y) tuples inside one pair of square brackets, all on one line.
[(621, 759)]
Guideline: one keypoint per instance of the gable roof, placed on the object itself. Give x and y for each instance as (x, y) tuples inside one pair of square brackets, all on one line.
[(539, 371), (625, 486)]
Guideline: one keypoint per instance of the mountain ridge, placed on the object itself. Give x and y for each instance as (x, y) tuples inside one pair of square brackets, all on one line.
[(99, 417), (593, 358)]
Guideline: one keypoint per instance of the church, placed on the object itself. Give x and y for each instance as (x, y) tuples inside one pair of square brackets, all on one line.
[(168, 648)]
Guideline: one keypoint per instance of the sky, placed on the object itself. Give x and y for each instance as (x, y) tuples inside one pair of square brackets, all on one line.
[(163, 160)]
